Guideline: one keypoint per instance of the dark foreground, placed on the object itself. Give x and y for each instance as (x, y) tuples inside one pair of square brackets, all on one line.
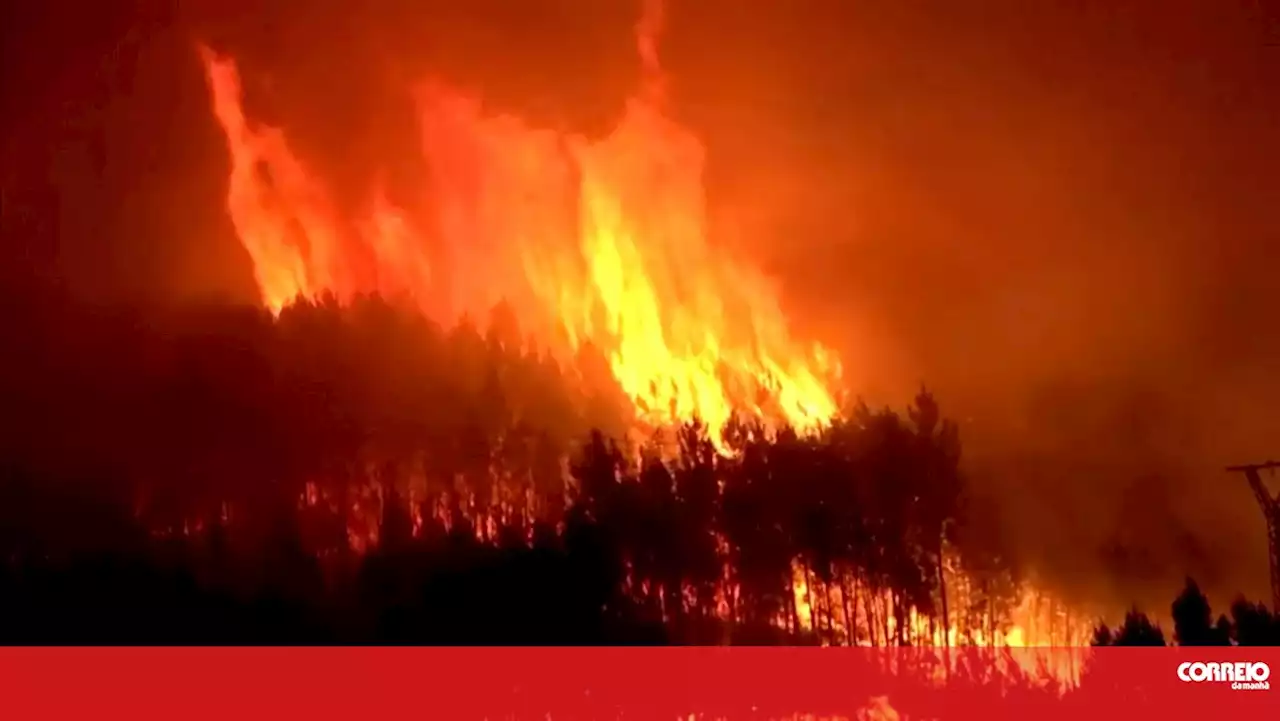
[(355, 474)]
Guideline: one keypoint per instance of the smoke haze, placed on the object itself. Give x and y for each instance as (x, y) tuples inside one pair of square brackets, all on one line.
[(1060, 216)]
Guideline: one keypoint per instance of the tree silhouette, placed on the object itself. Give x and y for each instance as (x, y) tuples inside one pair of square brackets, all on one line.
[(1136, 630), (1193, 619), (352, 472), (1254, 624)]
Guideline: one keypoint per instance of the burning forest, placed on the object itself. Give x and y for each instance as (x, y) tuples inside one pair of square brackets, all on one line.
[(601, 246), (531, 402), (587, 242)]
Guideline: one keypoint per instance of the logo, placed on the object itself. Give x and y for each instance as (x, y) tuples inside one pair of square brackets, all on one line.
[(1242, 676)]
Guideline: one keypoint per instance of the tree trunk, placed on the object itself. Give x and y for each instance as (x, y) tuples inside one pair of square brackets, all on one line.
[(792, 608), (942, 592), (830, 612), (868, 601), (849, 621), (808, 597), (886, 608)]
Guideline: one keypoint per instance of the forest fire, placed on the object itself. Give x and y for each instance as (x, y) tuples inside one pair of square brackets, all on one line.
[(380, 331), (1039, 637), (601, 242)]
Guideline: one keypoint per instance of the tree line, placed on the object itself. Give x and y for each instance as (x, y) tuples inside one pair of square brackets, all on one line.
[(1248, 623), (353, 472)]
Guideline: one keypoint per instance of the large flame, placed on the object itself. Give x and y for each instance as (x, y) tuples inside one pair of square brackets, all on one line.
[(590, 241)]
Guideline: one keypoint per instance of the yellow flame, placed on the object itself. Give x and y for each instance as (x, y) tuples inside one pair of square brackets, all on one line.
[(590, 241), (1051, 638)]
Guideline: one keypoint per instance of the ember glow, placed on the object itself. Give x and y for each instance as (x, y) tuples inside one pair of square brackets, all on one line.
[(601, 242), (1039, 637)]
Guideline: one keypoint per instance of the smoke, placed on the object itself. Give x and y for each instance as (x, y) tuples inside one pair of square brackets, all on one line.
[(1057, 217), (1057, 220)]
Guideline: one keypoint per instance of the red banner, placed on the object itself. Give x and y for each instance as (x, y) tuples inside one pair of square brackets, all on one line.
[(641, 683)]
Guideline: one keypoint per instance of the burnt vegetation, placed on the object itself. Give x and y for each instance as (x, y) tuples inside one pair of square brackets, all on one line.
[(352, 473)]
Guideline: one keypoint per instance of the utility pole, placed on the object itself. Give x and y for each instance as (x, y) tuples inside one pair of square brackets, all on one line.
[(1271, 512)]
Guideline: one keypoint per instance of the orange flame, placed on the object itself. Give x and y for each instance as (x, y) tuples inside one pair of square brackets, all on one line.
[(602, 242), (1050, 639)]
